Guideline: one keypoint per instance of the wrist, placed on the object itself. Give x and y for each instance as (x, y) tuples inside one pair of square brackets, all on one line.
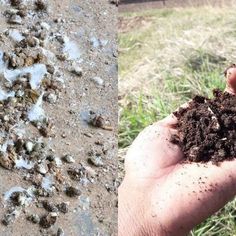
[(134, 217)]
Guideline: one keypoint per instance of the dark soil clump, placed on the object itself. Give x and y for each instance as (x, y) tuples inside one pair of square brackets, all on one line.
[(207, 128)]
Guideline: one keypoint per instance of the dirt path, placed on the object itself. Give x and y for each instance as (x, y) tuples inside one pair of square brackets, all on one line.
[(145, 5), (82, 78)]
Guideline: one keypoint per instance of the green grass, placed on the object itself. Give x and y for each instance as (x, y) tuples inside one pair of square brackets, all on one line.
[(222, 223), (163, 64)]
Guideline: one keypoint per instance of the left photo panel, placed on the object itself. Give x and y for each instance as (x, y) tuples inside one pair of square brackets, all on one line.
[(58, 117)]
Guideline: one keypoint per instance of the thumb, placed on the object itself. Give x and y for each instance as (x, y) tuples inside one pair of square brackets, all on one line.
[(230, 74)]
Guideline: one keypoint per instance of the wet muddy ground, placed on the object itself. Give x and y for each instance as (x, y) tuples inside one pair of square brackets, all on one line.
[(58, 118)]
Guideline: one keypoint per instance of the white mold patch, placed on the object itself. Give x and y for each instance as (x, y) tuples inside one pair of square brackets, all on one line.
[(36, 113), (71, 49)]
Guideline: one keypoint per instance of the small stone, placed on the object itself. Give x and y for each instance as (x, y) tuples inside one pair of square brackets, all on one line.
[(8, 219), (76, 70), (29, 61), (32, 41), (60, 232), (98, 81), (15, 3), (18, 198), (96, 161), (96, 120), (62, 56), (45, 25), (6, 118), (63, 207), (15, 19), (72, 191), (49, 206), (48, 220), (50, 69), (5, 161), (60, 38), (29, 146), (40, 5), (34, 218), (19, 93), (59, 20), (22, 10), (37, 147), (68, 159), (51, 98), (57, 161), (10, 12), (51, 157), (41, 168), (76, 173), (63, 135)]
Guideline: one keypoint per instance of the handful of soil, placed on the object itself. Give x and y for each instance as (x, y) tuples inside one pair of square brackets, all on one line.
[(207, 128)]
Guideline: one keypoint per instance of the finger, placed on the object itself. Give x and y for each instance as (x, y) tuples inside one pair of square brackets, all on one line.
[(230, 74), (171, 120)]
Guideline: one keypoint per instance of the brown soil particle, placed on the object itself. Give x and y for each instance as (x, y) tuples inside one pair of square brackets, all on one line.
[(41, 5), (72, 191), (15, 2), (207, 128), (48, 220)]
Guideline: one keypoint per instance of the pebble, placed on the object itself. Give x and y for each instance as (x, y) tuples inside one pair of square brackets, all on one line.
[(32, 41), (41, 168), (76, 70), (48, 220), (34, 218), (60, 39), (62, 56), (98, 81), (69, 159), (22, 10), (45, 25), (76, 173), (29, 146), (50, 69), (49, 206), (51, 98), (96, 161), (72, 191), (15, 3), (10, 12), (60, 232), (41, 5), (63, 207), (7, 219), (15, 19), (57, 161), (20, 93), (96, 120)]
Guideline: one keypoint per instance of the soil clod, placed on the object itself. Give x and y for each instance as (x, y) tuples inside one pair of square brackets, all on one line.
[(207, 128)]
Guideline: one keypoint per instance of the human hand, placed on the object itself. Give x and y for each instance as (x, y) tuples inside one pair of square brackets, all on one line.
[(161, 195)]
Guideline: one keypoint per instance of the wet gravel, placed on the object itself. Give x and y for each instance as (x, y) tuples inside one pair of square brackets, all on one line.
[(57, 117)]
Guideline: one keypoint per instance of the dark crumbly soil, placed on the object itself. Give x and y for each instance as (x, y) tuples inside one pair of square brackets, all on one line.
[(207, 128)]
